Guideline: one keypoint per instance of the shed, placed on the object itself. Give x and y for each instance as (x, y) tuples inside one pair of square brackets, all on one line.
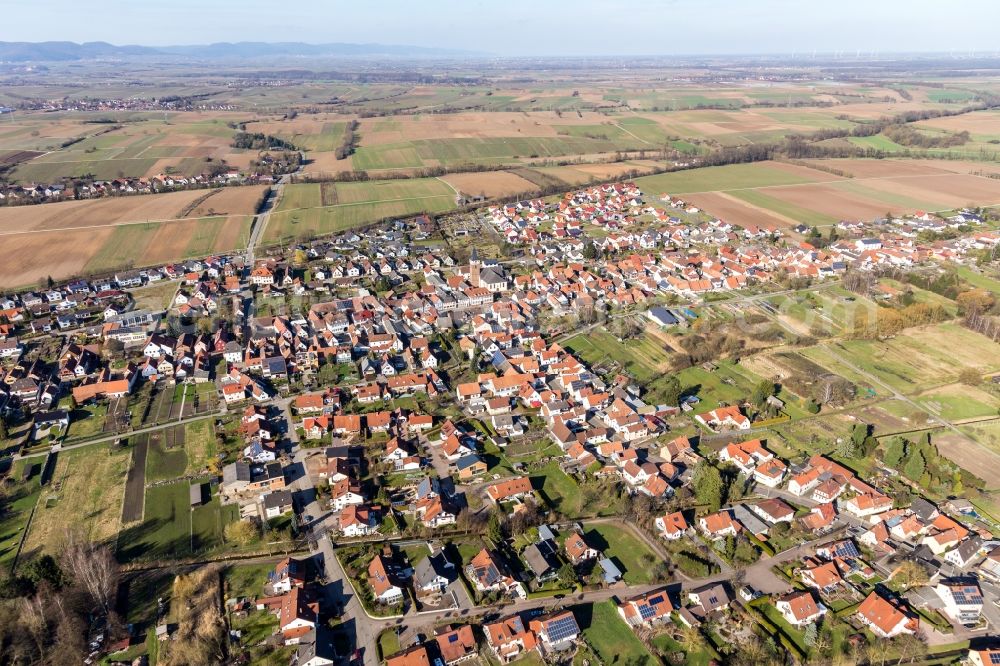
[(197, 494)]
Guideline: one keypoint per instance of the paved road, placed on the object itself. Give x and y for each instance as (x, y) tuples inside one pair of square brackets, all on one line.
[(260, 223), (125, 435)]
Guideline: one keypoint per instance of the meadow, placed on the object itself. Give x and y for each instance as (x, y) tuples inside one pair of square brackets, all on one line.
[(85, 494)]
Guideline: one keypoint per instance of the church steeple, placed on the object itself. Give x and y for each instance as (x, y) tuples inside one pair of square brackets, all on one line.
[(474, 265)]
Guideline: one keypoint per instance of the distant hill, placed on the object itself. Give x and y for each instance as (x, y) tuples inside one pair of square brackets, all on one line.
[(65, 51)]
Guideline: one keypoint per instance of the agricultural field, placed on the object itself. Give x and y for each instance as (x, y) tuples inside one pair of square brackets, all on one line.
[(85, 493), (301, 211), (117, 145), (85, 237)]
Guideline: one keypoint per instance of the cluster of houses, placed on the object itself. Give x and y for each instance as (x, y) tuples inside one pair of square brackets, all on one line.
[(691, 258), (507, 639), (290, 594)]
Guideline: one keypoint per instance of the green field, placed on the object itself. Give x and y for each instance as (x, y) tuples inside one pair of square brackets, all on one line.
[(643, 356), (979, 279), (632, 556), (18, 501), (558, 490), (877, 142), (722, 178), (299, 214), (610, 637), (127, 243), (171, 529)]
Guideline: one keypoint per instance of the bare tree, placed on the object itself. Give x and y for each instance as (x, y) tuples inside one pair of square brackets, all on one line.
[(93, 568)]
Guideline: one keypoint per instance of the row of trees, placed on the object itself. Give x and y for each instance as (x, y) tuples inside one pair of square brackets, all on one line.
[(887, 321), (260, 141), (347, 146)]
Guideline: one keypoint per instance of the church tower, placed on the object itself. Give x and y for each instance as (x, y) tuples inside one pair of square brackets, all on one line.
[(474, 265)]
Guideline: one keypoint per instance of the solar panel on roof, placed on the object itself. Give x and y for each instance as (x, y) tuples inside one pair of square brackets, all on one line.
[(646, 611), (995, 657), (562, 628), (453, 638), (658, 599)]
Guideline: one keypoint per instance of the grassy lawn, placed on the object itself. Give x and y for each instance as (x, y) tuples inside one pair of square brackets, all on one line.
[(199, 443), (86, 493), (978, 279), (632, 556), (796, 635), (666, 644), (86, 421), (166, 527), (557, 489), (208, 522), (18, 502), (728, 383), (610, 637), (388, 643), (245, 580), (958, 402), (162, 463)]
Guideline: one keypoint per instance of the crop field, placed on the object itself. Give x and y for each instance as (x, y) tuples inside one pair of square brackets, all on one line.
[(725, 178), (300, 212), (85, 493), (140, 144), (102, 212), (489, 184)]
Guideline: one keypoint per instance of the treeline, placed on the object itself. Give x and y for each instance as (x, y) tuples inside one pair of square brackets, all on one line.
[(887, 321), (260, 141), (347, 146), (905, 135)]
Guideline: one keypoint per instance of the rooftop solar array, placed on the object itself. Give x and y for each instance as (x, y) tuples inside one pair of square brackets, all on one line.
[(562, 628)]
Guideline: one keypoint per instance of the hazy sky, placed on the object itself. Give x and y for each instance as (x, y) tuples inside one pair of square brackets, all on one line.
[(526, 27)]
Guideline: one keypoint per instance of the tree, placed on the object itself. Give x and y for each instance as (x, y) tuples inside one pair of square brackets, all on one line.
[(241, 532), (708, 486), (494, 528), (914, 467), (859, 434), (44, 568), (93, 568), (810, 635), (205, 325), (671, 391), (970, 377), (895, 451), (846, 448), (691, 639), (567, 575), (975, 301), (910, 574), (761, 392)]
